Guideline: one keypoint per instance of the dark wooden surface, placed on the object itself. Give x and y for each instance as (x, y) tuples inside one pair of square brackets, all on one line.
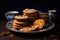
[(53, 34)]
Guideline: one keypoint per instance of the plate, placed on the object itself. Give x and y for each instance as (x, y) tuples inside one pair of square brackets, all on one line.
[(9, 26)]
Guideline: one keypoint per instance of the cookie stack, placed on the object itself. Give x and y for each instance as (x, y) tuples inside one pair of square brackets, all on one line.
[(29, 21), (20, 21), (31, 13), (45, 17)]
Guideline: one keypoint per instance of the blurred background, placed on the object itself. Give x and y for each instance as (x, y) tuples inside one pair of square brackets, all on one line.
[(19, 5)]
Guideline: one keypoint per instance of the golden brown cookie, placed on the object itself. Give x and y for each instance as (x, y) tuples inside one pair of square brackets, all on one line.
[(40, 23), (30, 13), (17, 22), (21, 17), (14, 24), (34, 27), (17, 26), (26, 29), (29, 10)]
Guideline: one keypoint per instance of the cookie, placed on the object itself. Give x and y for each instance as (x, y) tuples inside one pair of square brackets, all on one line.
[(21, 17), (34, 27), (17, 26), (30, 11), (40, 23), (17, 22), (26, 29)]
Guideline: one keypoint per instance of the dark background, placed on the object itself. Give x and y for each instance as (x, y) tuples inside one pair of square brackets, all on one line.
[(19, 5)]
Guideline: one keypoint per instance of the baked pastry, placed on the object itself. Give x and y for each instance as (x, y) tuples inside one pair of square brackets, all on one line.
[(17, 22), (31, 13), (26, 29), (17, 26), (40, 23), (29, 21), (34, 27), (20, 21), (21, 18), (28, 11)]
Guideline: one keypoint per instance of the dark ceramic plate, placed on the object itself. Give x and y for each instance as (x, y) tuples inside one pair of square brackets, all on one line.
[(9, 26)]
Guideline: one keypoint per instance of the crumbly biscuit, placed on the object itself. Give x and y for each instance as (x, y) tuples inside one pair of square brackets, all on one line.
[(29, 11), (26, 29), (21, 17), (30, 14), (17, 26), (40, 23), (34, 27), (17, 22)]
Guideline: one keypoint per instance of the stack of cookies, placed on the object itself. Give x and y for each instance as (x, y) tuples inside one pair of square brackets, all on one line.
[(30, 20), (31, 13), (20, 21), (45, 17)]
